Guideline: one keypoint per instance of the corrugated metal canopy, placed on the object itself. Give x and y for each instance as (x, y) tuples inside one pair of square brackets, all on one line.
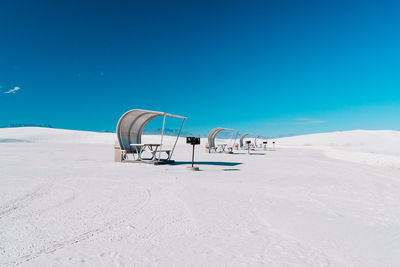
[(242, 138), (213, 133), (259, 137), (131, 124), (246, 134)]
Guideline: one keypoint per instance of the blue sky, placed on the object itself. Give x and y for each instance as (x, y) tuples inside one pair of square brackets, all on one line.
[(269, 67)]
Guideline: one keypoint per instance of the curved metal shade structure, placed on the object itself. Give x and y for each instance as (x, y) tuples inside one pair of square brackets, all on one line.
[(242, 138), (255, 139), (213, 133), (259, 137), (131, 124)]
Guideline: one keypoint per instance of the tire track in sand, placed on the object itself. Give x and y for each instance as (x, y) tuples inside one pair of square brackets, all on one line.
[(21, 202), (55, 246)]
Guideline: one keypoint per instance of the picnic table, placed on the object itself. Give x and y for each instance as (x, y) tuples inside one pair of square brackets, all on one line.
[(152, 148), (222, 147)]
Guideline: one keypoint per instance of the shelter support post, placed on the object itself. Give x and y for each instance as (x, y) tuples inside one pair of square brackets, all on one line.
[(177, 138), (234, 141), (162, 137)]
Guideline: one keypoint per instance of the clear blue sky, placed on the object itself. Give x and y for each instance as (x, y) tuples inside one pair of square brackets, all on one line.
[(269, 67)]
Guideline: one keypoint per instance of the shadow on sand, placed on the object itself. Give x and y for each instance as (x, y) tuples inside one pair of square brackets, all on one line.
[(230, 170), (216, 163), (251, 153)]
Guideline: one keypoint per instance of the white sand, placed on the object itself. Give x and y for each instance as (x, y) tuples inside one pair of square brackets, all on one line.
[(379, 148), (317, 200)]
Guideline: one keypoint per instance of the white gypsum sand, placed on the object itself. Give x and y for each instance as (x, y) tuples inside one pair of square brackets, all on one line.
[(313, 201), (379, 148)]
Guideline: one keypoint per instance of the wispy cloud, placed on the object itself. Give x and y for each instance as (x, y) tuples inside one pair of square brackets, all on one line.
[(13, 91), (306, 121)]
